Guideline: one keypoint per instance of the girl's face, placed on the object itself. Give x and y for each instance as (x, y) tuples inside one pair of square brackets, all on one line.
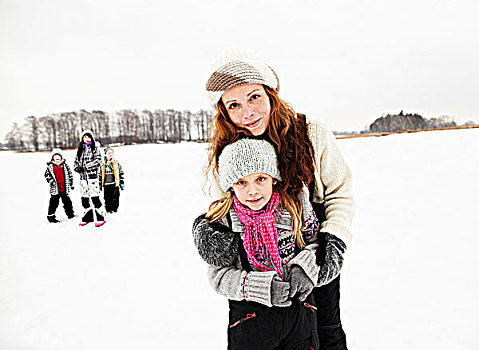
[(248, 107), (86, 139), (57, 158), (109, 154), (254, 190)]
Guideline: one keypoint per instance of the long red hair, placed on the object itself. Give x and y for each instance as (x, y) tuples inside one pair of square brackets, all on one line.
[(286, 131)]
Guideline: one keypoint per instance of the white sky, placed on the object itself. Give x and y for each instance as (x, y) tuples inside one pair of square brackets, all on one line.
[(346, 61)]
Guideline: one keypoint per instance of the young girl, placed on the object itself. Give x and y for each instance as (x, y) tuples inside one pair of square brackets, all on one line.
[(87, 164), (269, 276), (111, 180), (60, 178)]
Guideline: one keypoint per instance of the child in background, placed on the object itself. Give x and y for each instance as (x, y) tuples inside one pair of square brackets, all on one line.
[(270, 274), (87, 164), (60, 178), (112, 180)]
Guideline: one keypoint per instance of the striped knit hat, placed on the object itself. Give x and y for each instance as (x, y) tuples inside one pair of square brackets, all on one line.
[(237, 66), (245, 157)]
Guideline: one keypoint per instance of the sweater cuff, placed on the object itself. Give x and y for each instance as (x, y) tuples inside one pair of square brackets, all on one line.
[(257, 287), (307, 261), (338, 230)]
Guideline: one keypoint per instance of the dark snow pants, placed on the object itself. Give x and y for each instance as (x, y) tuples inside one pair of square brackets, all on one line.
[(253, 326), (88, 217), (55, 201), (330, 331), (111, 195)]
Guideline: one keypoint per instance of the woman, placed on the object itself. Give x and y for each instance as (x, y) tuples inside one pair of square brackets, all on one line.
[(87, 164), (244, 92)]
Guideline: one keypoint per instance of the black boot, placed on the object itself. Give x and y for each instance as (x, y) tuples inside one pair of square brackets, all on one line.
[(52, 219)]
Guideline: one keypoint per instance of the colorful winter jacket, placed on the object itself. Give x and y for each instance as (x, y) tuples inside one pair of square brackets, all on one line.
[(232, 281), (90, 162), (333, 181), (51, 179), (111, 173)]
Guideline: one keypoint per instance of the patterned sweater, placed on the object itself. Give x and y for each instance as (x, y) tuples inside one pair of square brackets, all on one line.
[(90, 161), (111, 173), (237, 284), (333, 181)]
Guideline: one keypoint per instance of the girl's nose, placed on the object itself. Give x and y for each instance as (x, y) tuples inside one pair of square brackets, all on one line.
[(252, 190)]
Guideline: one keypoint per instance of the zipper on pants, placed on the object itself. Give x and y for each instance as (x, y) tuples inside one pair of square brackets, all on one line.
[(247, 317)]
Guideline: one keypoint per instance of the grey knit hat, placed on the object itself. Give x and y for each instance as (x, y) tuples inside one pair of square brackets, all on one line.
[(244, 157), (238, 66)]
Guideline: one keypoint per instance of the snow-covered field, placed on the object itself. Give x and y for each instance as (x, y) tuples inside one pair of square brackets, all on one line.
[(410, 279)]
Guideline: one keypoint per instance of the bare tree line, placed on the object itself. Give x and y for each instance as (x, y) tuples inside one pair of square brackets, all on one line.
[(122, 127)]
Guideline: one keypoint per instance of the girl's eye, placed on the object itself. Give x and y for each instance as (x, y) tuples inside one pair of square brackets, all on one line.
[(255, 96), (261, 178), (232, 105), (241, 182)]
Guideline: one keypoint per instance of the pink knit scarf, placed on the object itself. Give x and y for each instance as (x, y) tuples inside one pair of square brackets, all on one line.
[(260, 234)]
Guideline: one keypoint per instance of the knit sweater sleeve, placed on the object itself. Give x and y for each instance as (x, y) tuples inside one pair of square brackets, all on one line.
[(237, 284), (333, 181)]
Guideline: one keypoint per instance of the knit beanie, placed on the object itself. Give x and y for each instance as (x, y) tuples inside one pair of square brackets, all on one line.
[(238, 66), (245, 157), (57, 151)]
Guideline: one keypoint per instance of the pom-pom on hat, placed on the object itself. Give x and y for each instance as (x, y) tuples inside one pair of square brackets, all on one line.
[(245, 157), (238, 66)]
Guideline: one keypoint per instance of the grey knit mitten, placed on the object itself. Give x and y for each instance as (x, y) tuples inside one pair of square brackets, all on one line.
[(330, 259), (216, 243), (280, 292), (300, 283)]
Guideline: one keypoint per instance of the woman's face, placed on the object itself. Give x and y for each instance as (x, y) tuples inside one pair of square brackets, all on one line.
[(248, 107), (86, 139)]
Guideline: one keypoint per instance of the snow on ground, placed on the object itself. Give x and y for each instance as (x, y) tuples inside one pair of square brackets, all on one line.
[(409, 281)]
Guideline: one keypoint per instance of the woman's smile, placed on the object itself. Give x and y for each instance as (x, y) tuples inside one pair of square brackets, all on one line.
[(253, 124)]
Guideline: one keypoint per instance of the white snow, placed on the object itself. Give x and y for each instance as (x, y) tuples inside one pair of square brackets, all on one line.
[(410, 279)]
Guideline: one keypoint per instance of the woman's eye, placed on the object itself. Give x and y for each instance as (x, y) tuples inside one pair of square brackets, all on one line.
[(261, 179), (241, 182), (232, 105), (254, 97)]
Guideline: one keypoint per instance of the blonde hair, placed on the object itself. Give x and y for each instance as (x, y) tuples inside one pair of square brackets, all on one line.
[(220, 208)]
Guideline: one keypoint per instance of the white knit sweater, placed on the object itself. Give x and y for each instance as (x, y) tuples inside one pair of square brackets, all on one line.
[(333, 181)]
